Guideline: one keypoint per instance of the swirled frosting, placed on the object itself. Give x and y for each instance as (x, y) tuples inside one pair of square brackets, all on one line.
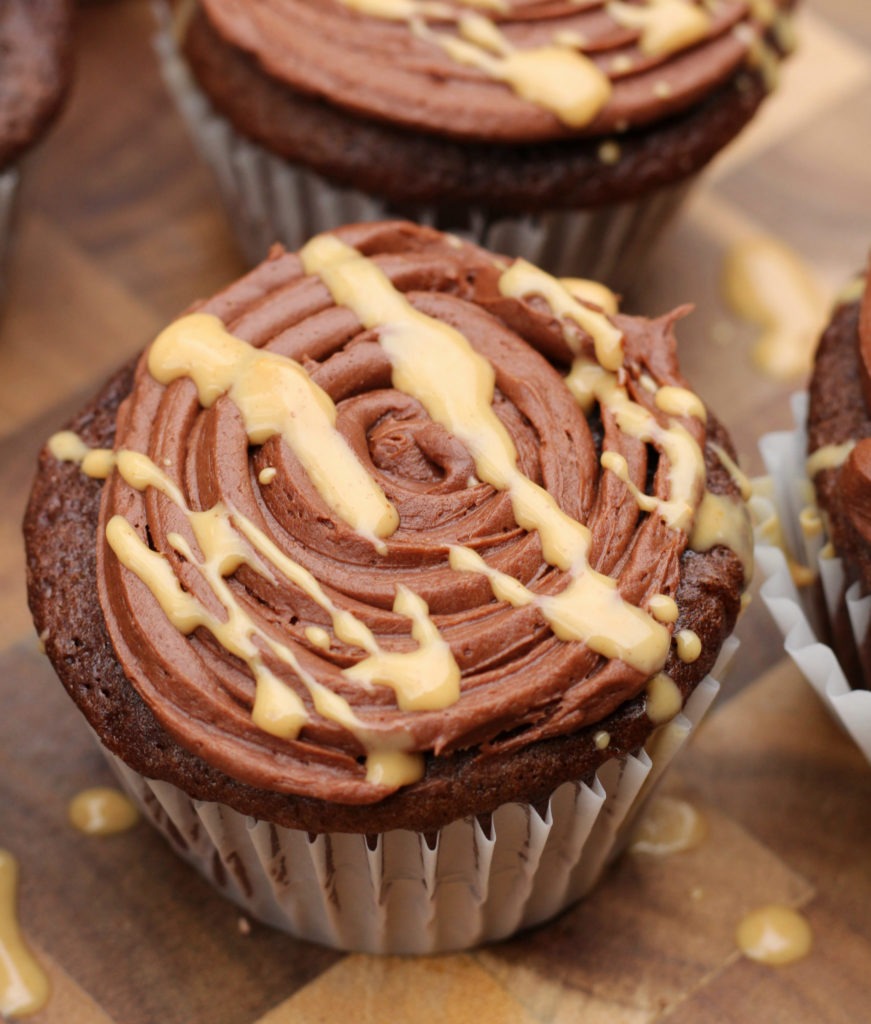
[(391, 498), (506, 70)]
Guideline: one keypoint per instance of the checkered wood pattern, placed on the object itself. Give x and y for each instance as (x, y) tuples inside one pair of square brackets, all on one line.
[(119, 228)]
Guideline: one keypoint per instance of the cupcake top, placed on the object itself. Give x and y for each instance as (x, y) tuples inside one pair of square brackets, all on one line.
[(505, 70), (839, 429), (391, 525), (35, 45)]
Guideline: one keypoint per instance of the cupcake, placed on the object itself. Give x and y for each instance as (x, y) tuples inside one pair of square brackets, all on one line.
[(822, 472), (35, 44), (562, 132), (390, 579)]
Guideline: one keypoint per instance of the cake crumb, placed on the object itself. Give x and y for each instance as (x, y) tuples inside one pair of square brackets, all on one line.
[(244, 926)]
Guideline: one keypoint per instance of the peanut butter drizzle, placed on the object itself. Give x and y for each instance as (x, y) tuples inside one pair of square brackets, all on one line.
[(669, 826), (522, 279), (24, 985), (774, 935), (589, 382), (666, 26), (556, 77), (436, 364), (664, 699), (720, 519), (829, 456), (427, 678), (67, 446), (275, 396), (102, 811), (689, 646)]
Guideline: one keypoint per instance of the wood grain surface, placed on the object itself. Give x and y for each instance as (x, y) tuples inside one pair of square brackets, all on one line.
[(119, 229)]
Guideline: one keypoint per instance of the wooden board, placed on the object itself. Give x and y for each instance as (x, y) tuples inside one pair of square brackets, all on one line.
[(119, 229)]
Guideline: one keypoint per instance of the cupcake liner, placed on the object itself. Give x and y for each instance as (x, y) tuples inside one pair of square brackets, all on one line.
[(403, 892), (270, 200), (9, 180), (794, 610)]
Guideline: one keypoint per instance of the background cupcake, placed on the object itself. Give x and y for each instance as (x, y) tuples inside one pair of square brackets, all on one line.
[(331, 664), (822, 473), (35, 44), (565, 135)]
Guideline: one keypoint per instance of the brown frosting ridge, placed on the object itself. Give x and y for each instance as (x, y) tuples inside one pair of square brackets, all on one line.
[(520, 685), (382, 70)]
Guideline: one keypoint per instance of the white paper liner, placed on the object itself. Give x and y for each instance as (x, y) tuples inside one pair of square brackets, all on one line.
[(401, 892), (268, 199), (784, 454), (9, 180)]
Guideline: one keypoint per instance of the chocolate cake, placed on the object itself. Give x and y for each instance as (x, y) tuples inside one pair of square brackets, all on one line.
[(372, 104), (565, 133), (35, 56), (396, 617), (839, 458)]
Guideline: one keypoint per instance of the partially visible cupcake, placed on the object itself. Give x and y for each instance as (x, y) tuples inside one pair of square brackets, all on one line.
[(35, 58), (823, 485), (566, 133), (404, 586)]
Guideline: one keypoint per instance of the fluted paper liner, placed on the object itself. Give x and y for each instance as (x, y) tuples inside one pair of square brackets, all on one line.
[(784, 454), (404, 892), (270, 200)]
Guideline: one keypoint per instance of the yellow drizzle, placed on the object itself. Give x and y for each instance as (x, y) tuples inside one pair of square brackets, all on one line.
[(665, 25), (67, 446), (669, 826), (767, 284), (522, 279), (275, 395), (555, 77), (24, 986), (427, 677), (589, 383), (829, 456), (774, 935), (663, 698), (437, 365), (102, 811)]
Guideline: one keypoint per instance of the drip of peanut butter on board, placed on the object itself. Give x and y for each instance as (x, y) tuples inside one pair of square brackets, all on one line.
[(24, 986), (774, 935), (767, 284), (102, 811), (669, 825)]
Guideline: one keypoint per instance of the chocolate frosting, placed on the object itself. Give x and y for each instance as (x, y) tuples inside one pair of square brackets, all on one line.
[(384, 70), (520, 685), (35, 54)]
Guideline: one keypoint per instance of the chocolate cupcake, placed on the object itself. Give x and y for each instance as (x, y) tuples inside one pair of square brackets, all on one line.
[(564, 133), (390, 579), (35, 43), (822, 472)]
